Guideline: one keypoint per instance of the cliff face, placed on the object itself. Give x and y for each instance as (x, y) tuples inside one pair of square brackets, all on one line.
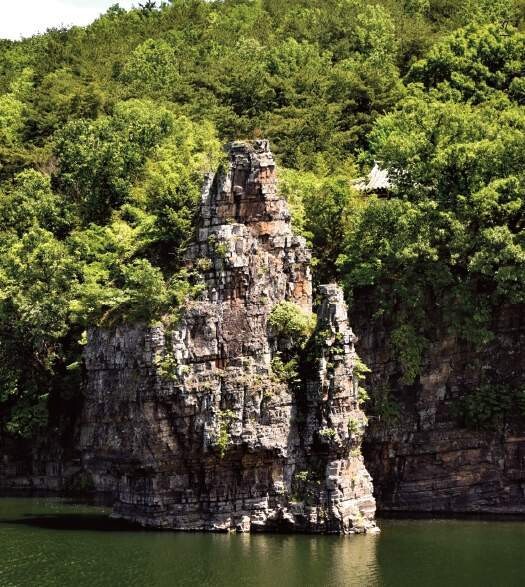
[(190, 427), (46, 464), (424, 456)]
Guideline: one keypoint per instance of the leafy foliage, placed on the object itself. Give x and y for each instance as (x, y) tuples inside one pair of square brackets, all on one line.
[(474, 64), (288, 320), (286, 372), (223, 437), (323, 208), (489, 405), (100, 160)]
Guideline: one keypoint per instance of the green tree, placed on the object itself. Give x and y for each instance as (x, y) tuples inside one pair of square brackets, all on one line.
[(323, 210), (171, 185), (37, 275), (99, 160), (30, 202), (62, 96), (152, 70), (475, 63)]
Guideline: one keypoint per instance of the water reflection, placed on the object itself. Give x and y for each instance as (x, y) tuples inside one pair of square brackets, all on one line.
[(269, 559), (38, 548)]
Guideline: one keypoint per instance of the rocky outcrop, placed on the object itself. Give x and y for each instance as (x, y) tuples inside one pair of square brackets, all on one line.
[(191, 427), (424, 455)]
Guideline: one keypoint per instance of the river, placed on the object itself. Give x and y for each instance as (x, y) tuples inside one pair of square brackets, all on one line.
[(57, 542)]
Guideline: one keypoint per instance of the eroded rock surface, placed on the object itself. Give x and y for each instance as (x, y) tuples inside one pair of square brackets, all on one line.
[(190, 427), (422, 454)]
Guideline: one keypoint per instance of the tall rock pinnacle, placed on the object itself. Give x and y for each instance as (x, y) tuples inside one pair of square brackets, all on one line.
[(193, 427)]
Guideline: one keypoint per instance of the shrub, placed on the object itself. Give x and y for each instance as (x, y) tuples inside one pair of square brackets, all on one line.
[(223, 438), (356, 427), (328, 433), (489, 405), (285, 372), (288, 320), (302, 476), (384, 406), (360, 371)]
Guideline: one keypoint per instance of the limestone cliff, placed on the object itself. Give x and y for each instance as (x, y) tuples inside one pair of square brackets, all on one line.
[(190, 427)]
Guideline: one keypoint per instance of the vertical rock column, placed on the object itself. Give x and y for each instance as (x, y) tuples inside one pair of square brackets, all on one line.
[(333, 487)]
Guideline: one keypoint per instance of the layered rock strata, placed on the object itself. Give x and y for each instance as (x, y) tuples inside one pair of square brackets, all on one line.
[(424, 455), (41, 464), (190, 427)]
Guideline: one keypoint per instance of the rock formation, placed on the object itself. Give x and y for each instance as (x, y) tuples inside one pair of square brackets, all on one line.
[(190, 427)]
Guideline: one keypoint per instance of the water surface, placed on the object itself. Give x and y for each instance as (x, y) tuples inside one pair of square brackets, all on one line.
[(56, 542)]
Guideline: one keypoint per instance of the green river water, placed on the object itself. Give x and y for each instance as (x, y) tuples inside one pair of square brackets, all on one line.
[(47, 541)]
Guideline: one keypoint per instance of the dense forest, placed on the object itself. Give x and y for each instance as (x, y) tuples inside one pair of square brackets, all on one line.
[(106, 132)]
